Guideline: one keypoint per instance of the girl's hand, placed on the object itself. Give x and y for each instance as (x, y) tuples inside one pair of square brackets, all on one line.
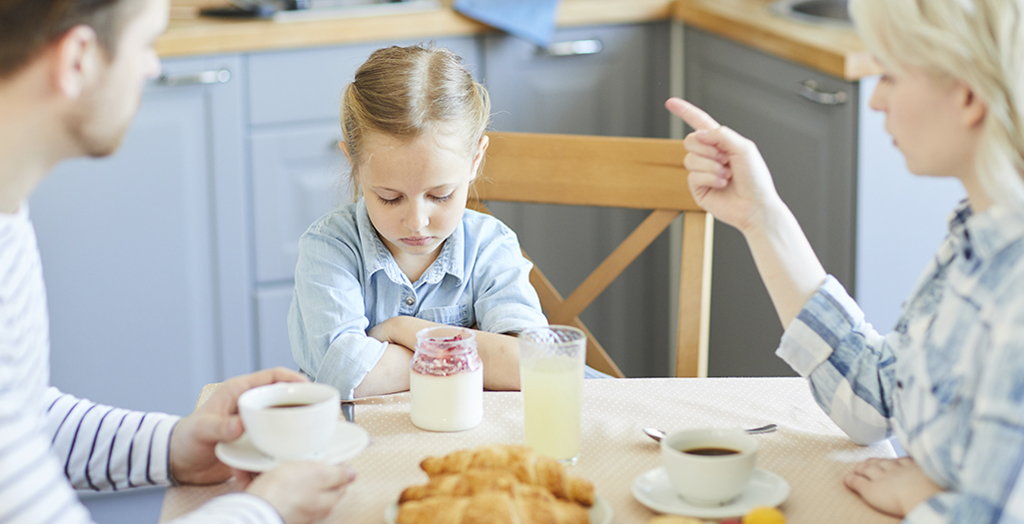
[(893, 486), (728, 176)]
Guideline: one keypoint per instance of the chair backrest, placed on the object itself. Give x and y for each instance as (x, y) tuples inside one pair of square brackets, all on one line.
[(638, 173)]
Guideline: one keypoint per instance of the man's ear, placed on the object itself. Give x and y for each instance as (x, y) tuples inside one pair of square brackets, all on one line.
[(481, 151), (76, 63)]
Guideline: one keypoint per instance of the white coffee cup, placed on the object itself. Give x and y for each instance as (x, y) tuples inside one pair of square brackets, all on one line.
[(290, 420), (702, 478)]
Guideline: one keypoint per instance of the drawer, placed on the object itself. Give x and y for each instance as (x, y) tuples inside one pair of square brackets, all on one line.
[(306, 84)]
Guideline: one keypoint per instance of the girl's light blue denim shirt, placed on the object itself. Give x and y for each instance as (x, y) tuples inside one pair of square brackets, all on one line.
[(347, 282)]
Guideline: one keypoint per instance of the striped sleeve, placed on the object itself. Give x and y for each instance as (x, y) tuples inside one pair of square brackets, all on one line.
[(103, 448), (846, 360), (32, 486)]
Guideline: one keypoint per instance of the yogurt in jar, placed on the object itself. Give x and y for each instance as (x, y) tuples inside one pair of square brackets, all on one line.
[(446, 380)]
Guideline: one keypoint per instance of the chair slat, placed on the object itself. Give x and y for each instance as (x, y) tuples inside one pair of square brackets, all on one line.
[(614, 264), (614, 172)]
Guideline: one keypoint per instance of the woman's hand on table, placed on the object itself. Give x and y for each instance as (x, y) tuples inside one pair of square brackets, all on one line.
[(191, 455), (893, 486), (301, 492)]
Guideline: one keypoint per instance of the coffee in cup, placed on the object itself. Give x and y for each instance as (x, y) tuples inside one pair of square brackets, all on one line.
[(709, 467), (290, 420)]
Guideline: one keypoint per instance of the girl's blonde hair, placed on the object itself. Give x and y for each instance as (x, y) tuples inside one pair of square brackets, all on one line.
[(978, 42), (408, 91)]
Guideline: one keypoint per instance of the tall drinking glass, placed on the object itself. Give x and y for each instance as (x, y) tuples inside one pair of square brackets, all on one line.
[(551, 373)]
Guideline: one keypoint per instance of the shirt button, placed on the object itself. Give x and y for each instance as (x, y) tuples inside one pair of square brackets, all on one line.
[(899, 384), (410, 301)]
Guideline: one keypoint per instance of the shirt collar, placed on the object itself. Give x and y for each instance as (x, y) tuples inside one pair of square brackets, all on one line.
[(987, 233), (449, 262)]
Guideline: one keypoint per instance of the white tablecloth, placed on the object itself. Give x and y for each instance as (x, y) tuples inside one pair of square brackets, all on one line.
[(809, 451)]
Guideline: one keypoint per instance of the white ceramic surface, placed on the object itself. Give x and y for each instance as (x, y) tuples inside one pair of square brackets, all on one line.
[(600, 512), (292, 432), (347, 441), (654, 490), (709, 480)]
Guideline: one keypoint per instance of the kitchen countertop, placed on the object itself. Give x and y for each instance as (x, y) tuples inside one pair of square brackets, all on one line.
[(189, 34), (834, 50), (831, 49)]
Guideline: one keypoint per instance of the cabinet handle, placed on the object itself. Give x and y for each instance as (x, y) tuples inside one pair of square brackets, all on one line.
[(809, 90), (202, 78), (590, 46)]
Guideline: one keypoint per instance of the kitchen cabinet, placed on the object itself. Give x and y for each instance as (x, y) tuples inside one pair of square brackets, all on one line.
[(144, 252), (872, 224), (607, 80)]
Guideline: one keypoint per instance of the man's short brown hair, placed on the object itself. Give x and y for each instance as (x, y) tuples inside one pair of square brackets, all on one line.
[(28, 26)]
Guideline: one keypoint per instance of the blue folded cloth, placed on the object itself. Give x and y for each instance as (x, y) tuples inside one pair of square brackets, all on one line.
[(532, 20)]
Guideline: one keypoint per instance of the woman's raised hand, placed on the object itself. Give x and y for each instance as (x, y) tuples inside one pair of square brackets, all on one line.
[(728, 176)]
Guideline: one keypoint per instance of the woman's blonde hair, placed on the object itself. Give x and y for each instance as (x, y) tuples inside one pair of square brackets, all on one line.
[(978, 42), (408, 91)]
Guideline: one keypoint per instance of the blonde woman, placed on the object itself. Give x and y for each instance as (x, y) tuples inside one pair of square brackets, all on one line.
[(408, 254), (948, 381)]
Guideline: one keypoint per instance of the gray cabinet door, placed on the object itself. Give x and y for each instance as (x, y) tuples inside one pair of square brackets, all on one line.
[(272, 314), (131, 247), (606, 80), (298, 174), (811, 150), (616, 90)]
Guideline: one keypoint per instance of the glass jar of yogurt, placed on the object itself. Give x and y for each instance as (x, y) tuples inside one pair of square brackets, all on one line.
[(446, 380)]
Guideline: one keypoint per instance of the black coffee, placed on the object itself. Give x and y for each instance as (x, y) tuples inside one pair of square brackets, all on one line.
[(711, 451), (288, 405)]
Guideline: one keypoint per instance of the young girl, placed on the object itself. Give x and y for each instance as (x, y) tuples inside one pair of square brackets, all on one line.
[(948, 381), (408, 254)]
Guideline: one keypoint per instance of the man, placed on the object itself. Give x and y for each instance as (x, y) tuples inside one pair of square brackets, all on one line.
[(71, 76)]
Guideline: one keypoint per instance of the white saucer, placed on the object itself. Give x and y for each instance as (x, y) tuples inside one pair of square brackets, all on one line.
[(348, 441), (654, 490), (599, 513)]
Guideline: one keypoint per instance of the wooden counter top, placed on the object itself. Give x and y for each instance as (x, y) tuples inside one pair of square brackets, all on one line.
[(830, 49), (837, 51), (191, 35)]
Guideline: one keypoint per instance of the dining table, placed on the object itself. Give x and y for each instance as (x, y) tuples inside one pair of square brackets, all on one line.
[(808, 450)]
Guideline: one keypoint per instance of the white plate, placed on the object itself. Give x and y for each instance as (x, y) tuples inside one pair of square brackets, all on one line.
[(600, 512), (654, 490), (348, 441)]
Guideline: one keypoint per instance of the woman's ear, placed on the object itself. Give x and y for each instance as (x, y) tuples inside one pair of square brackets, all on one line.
[(972, 106), (77, 61), (481, 150)]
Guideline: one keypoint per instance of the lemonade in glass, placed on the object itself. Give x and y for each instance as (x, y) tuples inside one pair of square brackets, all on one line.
[(551, 373)]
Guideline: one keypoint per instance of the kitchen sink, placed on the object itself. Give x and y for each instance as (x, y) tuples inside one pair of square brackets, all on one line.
[(815, 11)]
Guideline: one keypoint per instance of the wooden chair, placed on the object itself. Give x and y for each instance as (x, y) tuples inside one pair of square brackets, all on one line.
[(639, 173)]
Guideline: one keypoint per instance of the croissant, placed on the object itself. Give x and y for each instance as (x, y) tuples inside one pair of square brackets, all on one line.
[(474, 482), (491, 508), (527, 466)]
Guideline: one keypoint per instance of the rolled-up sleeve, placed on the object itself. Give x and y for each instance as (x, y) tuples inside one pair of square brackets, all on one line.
[(849, 365), (327, 320), (505, 300)]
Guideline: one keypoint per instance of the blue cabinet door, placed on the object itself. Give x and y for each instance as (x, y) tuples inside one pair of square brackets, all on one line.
[(143, 252)]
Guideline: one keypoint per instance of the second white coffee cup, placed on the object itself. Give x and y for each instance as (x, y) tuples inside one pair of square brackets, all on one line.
[(710, 466), (290, 420)]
